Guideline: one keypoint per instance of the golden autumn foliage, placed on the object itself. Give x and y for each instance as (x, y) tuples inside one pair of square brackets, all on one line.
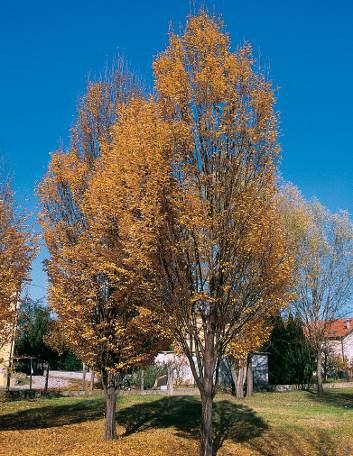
[(92, 199), (225, 234), (164, 222), (223, 258), (322, 246), (55, 339), (253, 337), (275, 424), (97, 109), (104, 316), (17, 249)]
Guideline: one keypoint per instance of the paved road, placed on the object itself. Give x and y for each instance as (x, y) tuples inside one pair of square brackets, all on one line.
[(57, 380)]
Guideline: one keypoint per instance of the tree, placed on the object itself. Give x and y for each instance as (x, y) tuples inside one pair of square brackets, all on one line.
[(322, 243), (334, 364), (222, 256), (291, 359), (55, 340), (178, 365), (90, 218), (97, 110), (33, 327), (278, 345), (251, 338), (17, 250), (299, 357)]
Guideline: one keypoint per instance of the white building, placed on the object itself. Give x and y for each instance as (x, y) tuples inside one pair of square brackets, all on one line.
[(340, 338), (182, 374), (6, 354)]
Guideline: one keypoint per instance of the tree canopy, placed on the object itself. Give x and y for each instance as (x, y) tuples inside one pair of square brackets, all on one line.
[(17, 250)]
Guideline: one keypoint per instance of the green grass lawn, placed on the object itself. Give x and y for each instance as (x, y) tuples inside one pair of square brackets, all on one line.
[(295, 423)]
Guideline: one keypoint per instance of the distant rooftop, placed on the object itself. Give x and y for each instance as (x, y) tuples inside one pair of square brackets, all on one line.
[(340, 328)]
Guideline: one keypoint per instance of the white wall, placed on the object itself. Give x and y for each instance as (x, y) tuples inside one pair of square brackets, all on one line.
[(336, 345), (4, 363), (179, 364), (260, 369)]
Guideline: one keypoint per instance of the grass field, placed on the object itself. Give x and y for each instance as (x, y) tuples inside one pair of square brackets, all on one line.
[(295, 423)]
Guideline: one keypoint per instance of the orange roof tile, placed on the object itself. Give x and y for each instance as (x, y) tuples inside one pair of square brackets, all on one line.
[(340, 328)]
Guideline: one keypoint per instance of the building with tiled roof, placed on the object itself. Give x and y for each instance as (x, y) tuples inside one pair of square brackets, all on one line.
[(340, 337)]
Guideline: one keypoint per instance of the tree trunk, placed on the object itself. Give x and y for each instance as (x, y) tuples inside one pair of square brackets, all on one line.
[(325, 366), (206, 426), (320, 388), (249, 378), (233, 387), (207, 392), (170, 380), (110, 414), (46, 378), (92, 380), (234, 373), (239, 386), (142, 380), (110, 389), (238, 379), (8, 379), (84, 377), (31, 374)]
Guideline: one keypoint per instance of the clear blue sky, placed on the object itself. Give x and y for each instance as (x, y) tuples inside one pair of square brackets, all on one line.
[(48, 49)]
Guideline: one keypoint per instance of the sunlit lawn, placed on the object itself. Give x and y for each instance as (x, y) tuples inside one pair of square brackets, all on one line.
[(296, 423)]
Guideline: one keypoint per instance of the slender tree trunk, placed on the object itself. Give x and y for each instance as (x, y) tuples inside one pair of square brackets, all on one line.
[(320, 388), (206, 427), (249, 378), (239, 386), (233, 391), (84, 377), (207, 392), (8, 379), (92, 380), (110, 414), (31, 374), (46, 378), (142, 380), (325, 366), (110, 390), (234, 372), (238, 379), (170, 380)]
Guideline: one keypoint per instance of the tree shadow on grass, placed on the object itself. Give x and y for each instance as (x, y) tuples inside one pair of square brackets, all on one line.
[(53, 415), (335, 398), (312, 442), (236, 422)]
